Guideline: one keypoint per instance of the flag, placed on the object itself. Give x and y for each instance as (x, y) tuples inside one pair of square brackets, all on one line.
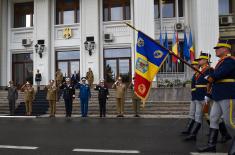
[(175, 47), (169, 56), (186, 49), (160, 38), (190, 45), (149, 58)]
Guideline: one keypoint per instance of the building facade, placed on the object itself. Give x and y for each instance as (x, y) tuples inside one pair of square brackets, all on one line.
[(75, 35)]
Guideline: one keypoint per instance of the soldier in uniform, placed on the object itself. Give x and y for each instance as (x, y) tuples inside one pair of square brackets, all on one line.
[(12, 97), (58, 77), (68, 95), (193, 103), (120, 96), (29, 96), (52, 97), (135, 99), (200, 93), (223, 88), (102, 96), (90, 77), (38, 79), (84, 95)]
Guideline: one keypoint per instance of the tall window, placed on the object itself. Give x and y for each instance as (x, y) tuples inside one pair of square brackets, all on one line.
[(225, 7), (168, 8), (67, 11), (114, 10), (23, 14)]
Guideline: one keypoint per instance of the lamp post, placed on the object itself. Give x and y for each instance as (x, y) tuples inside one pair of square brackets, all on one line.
[(39, 48), (89, 46)]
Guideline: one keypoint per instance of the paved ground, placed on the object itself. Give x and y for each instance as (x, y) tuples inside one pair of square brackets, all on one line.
[(60, 136)]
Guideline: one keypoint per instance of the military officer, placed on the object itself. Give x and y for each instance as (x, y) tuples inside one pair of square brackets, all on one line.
[(135, 99), (68, 95), (84, 95), (120, 96), (90, 77), (58, 77), (38, 79), (223, 88), (29, 96), (12, 97), (200, 93), (193, 103), (102, 96), (52, 97)]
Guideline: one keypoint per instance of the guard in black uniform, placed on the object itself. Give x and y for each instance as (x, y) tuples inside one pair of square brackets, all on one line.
[(200, 93), (68, 95), (103, 96), (223, 94)]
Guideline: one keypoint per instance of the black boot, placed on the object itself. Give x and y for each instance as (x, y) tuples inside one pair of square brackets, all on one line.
[(211, 145), (232, 148), (193, 134), (188, 127), (225, 136)]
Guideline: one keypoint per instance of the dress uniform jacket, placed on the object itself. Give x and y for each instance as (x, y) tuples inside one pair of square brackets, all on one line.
[(224, 79), (103, 92), (201, 83), (120, 90), (51, 93), (29, 94), (68, 91), (12, 93), (58, 77)]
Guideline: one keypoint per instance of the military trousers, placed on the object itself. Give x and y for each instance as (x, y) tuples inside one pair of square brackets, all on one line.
[(68, 106), (222, 109), (102, 104), (28, 106), (52, 104), (84, 106), (195, 111), (136, 106), (12, 106), (120, 106)]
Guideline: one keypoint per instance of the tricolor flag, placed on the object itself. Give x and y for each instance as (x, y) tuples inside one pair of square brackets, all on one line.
[(149, 58), (190, 45), (186, 49), (175, 47)]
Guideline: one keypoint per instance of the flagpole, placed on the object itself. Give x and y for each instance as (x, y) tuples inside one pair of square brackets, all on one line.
[(170, 52)]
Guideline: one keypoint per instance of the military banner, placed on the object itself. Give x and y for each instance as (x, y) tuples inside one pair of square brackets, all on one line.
[(149, 58)]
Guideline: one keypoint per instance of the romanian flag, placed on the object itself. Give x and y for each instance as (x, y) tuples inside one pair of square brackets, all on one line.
[(149, 58), (190, 45), (175, 47)]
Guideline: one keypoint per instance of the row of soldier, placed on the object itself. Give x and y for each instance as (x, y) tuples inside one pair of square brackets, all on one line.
[(213, 92), (67, 89)]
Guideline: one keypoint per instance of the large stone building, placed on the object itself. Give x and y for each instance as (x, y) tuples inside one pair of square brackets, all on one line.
[(74, 35)]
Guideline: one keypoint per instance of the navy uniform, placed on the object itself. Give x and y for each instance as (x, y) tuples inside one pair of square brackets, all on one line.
[(84, 95), (12, 97), (223, 93), (102, 96), (200, 93), (68, 95), (192, 109)]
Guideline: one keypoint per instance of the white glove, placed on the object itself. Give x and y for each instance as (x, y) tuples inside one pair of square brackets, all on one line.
[(73, 96), (207, 99), (206, 77)]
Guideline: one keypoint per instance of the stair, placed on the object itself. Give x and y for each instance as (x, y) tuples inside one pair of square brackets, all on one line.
[(40, 105)]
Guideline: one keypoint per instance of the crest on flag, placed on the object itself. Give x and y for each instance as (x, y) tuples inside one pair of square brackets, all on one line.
[(141, 88), (158, 54), (140, 42), (141, 65)]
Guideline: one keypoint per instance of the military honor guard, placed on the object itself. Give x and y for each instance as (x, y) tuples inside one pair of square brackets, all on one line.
[(200, 93), (223, 94), (29, 96), (38, 79), (12, 96), (193, 103), (135, 99), (90, 77), (120, 96), (84, 95), (68, 95), (52, 97), (58, 77), (102, 96)]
